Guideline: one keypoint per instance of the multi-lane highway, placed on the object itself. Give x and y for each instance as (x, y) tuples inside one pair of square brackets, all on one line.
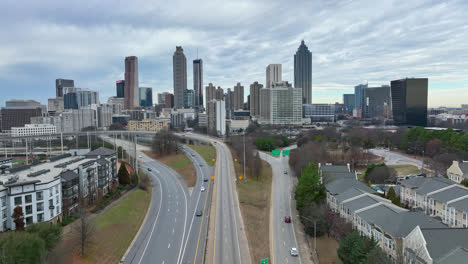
[(282, 235), (172, 233)]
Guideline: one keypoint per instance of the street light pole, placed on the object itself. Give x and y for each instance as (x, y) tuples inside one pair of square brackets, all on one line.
[(244, 156)]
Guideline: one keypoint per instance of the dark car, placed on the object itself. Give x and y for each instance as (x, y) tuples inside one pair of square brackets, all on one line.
[(199, 213), (287, 219), (205, 179), (149, 169)]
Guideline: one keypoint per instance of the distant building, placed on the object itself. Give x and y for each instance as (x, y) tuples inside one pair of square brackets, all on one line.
[(62, 83), (24, 104), (359, 95), (131, 84), (210, 92), (179, 67), (162, 98), (147, 125), (238, 99), (219, 95), (117, 104), (409, 101), (265, 105), (281, 105), (303, 72), (376, 99), (33, 130), (17, 116), (273, 74), (198, 82), (104, 114), (120, 88), (55, 105), (464, 106), (189, 98), (146, 97), (202, 120), (55, 121), (320, 112), (241, 115), (348, 102), (255, 98), (216, 112), (229, 101), (121, 119), (76, 98)]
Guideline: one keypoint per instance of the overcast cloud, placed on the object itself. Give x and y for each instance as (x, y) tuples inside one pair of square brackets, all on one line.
[(352, 42)]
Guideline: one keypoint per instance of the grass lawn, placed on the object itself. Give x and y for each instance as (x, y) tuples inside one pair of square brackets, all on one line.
[(181, 164), (254, 198), (326, 250), (208, 152), (405, 169)]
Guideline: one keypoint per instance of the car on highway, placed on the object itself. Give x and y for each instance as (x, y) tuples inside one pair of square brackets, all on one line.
[(201, 165), (202, 188), (199, 213), (285, 172), (193, 155), (287, 219), (294, 252), (149, 169), (205, 179), (139, 156)]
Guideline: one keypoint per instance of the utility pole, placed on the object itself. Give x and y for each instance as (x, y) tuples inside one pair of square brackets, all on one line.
[(26, 153), (244, 156), (61, 141)]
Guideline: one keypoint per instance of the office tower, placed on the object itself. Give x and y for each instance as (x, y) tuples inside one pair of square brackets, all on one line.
[(179, 68), (303, 72), (210, 92), (117, 104), (216, 112), (22, 103), (219, 95), (281, 105), (238, 99), (18, 113), (198, 82), (60, 84), (409, 101), (376, 99), (273, 74), (255, 98), (189, 98), (348, 102), (359, 95), (131, 92), (169, 100), (229, 101), (120, 88), (76, 98), (55, 105), (146, 96), (247, 105), (162, 98)]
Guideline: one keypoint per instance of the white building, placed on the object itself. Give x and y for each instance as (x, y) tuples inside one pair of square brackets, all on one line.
[(216, 112), (273, 75), (117, 104), (33, 130), (281, 105)]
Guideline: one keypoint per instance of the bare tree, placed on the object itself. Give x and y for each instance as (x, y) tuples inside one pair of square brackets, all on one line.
[(84, 226), (164, 143)]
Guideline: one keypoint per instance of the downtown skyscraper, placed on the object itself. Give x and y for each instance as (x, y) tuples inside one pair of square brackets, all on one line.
[(409, 101), (62, 83), (303, 72), (273, 74), (198, 82), (179, 68), (255, 98), (131, 89)]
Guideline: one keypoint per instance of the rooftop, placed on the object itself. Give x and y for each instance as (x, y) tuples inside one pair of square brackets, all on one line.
[(447, 245), (449, 194), (339, 186), (101, 151), (424, 185)]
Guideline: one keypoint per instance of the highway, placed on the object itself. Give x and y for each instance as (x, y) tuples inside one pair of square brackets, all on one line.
[(282, 235), (171, 232), (230, 242)]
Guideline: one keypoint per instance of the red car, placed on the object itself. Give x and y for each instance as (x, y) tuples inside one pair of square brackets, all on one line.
[(287, 219)]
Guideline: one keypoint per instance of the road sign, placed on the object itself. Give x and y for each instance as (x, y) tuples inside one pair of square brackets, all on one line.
[(264, 261), (276, 153), (286, 152)]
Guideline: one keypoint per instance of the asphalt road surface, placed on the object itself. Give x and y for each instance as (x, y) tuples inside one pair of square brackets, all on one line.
[(283, 238)]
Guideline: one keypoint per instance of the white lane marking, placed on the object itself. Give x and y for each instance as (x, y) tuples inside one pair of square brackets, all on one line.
[(168, 246), (154, 223), (175, 220), (168, 209), (284, 243), (162, 262), (172, 230)]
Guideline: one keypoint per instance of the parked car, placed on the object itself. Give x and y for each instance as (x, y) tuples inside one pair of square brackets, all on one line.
[(287, 219), (294, 252)]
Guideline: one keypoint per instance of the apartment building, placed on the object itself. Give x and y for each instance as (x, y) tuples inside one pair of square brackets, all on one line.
[(458, 171), (147, 125), (33, 130)]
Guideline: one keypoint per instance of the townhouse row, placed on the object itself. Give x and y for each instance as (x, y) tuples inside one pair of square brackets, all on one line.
[(53, 189)]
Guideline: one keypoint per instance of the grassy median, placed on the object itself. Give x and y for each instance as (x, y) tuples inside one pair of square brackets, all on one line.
[(208, 152), (254, 199), (181, 164)]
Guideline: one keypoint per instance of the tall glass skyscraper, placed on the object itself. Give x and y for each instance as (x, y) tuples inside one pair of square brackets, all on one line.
[(359, 95), (303, 72), (146, 96), (179, 68), (409, 101), (120, 87), (198, 82)]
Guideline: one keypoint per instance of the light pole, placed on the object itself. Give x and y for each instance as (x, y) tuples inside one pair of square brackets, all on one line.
[(315, 230), (244, 155)]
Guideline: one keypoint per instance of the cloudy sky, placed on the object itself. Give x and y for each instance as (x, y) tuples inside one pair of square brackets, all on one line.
[(352, 42)]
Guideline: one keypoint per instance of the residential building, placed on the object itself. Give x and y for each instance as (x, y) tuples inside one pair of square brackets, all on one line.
[(189, 98), (303, 72), (319, 112), (198, 82), (169, 100), (210, 92), (147, 125), (219, 94), (265, 105), (229, 101), (60, 84), (33, 130), (118, 104), (131, 84), (458, 171), (202, 120), (216, 113), (120, 88), (415, 190), (76, 98), (146, 97), (255, 99), (273, 74), (348, 102), (238, 99), (409, 101), (11, 116), (55, 105), (179, 67), (283, 105)]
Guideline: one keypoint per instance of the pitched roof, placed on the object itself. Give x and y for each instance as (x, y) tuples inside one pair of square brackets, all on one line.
[(447, 245), (461, 205), (363, 202), (101, 151), (350, 193), (464, 168), (341, 185), (334, 168), (449, 194), (424, 185)]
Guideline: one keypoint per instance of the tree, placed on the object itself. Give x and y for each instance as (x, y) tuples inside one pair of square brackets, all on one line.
[(379, 174), (165, 143), (49, 232), (124, 176), (360, 249), (309, 188), (464, 182), (391, 195), (18, 218), (314, 215), (21, 247), (84, 227), (433, 147), (145, 182), (265, 144), (257, 165)]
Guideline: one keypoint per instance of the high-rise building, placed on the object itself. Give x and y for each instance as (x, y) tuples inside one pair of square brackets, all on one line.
[(216, 112), (255, 98), (117, 104), (169, 100), (359, 95), (55, 105), (146, 96), (18, 116), (238, 99), (210, 92), (219, 95), (179, 68), (75, 98), (198, 82), (131, 91), (229, 101), (303, 72), (162, 98), (120, 88), (348, 102), (189, 98), (281, 105), (409, 101), (273, 74), (375, 102), (60, 84)]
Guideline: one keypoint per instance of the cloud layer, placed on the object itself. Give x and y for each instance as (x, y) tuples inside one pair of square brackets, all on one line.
[(374, 41)]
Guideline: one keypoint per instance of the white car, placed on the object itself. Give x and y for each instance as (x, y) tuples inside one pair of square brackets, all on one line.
[(140, 156), (294, 252), (202, 189)]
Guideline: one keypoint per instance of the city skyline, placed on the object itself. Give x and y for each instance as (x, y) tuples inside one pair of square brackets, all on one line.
[(377, 48)]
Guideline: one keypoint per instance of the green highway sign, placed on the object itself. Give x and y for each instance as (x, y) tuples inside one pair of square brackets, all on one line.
[(286, 152), (264, 261), (276, 153)]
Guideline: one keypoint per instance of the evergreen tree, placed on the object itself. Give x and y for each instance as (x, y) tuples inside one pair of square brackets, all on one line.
[(124, 176)]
